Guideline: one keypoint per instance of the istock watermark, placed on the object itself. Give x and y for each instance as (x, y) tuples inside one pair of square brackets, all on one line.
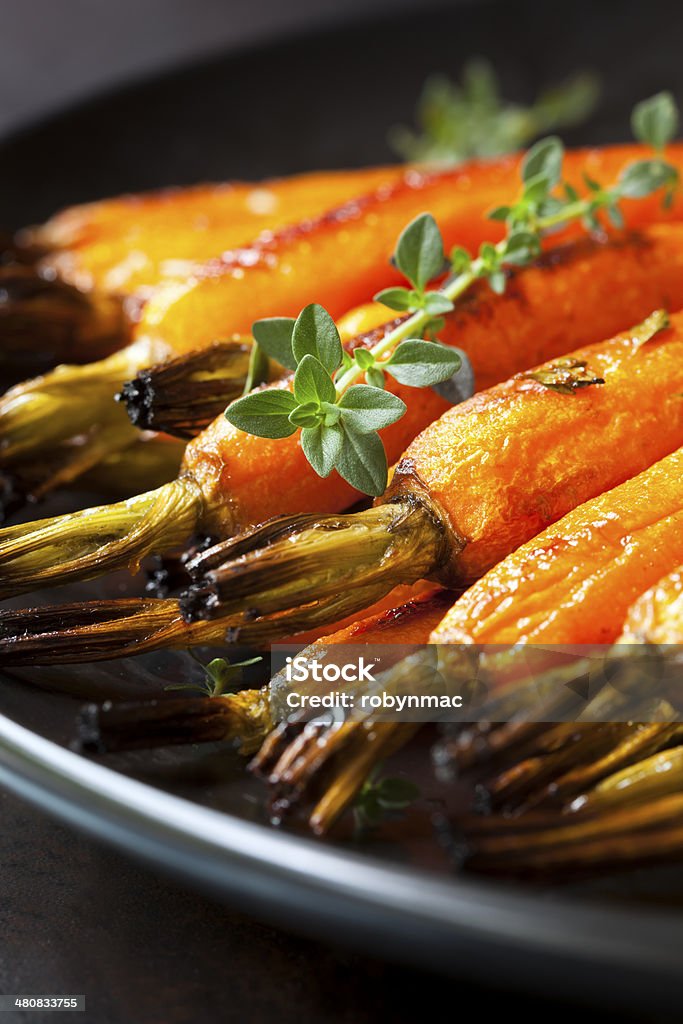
[(468, 683), (301, 669)]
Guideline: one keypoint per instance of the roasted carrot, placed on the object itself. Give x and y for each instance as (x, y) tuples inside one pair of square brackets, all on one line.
[(657, 616), (63, 297), (337, 259), (624, 538), (246, 716), (134, 242), (47, 307), (226, 484), (182, 396), (574, 583), (621, 280), (485, 478), (571, 297), (515, 459), (289, 760), (342, 257)]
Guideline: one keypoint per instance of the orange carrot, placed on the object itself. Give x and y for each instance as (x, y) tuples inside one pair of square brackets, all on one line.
[(337, 259), (136, 241), (657, 616), (343, 256), (488, 476), (485, 478), (231, 480), (577, 294), (574, 583)]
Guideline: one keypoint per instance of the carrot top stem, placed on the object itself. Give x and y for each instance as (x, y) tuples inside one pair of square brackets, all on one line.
[(43, 321), (243, 716), (81, 545), (344, 560), (182, 396)]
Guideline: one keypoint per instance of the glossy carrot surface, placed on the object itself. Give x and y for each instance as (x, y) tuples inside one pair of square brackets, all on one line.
[(578, 293), (657, 616), (136, 241), (342, 257), (410, 622), (574, 583), (381, 611), (499, 468)]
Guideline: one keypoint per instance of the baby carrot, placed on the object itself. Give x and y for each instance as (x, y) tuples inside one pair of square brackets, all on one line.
[(337, 259), (134, 242), (231, 480), (575, 581), (246, 716), (657, 616), (485, 478)]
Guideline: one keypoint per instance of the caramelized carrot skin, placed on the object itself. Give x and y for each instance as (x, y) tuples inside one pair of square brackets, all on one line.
[(493, 465), (657, 616), (583, 293), (384, 610), (574, 583), (136, 241), (311, 262)]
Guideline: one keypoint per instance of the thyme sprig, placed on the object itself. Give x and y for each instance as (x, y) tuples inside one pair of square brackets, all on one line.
[(382, 797), (340, 417), (458, 121), (219, 674)]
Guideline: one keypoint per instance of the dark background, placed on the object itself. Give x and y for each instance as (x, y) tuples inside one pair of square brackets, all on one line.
[(78, 918)]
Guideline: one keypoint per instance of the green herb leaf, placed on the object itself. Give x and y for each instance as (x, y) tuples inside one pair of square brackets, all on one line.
[(419, 251), (308, 415), (497, 281), (400, 299), (615, 215), (591, 184), (375, 377), (331, 413), (420, 364), (258, 369), (458, 121), (263, 413), (274, 336), (364, 358), (521, 247), (544, 159), (461, 261), (315, 334), (536, 189), (322, 446), (218, 675), (312, 383), (644, 177), (460, 385), (362, 462), (436, 303), (379, 798), (432, 328), (499, 213), (655, 121), (366, 409), (396, 793)]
